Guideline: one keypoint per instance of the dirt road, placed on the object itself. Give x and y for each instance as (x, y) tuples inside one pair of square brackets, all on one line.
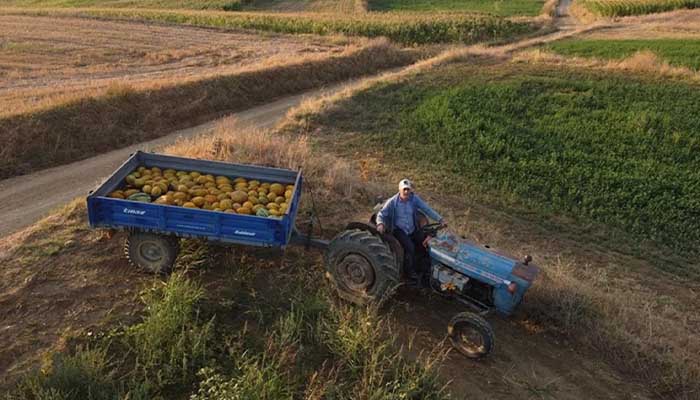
[(63, 183)]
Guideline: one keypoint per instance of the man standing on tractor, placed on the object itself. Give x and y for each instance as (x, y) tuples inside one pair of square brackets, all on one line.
[(400, 216)]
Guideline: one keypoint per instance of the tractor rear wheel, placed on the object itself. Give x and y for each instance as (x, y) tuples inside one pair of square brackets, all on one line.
[(471, 335), (362, 266), (152, 253)]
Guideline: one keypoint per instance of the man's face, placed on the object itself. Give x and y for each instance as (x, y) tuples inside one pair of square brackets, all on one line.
[(404, 193)]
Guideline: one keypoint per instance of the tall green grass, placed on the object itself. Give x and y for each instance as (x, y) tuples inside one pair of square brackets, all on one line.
[(497, 7), (622, 8), (171, 342), (678, 52), (409, 29), (161, 352), (85, 375), (246, 339)]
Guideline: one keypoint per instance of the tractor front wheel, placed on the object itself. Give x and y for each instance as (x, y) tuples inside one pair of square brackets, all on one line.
[(362, 266), (471, 335), (152, 253)]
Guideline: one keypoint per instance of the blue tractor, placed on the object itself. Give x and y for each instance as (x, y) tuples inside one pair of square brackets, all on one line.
[(367, 266)]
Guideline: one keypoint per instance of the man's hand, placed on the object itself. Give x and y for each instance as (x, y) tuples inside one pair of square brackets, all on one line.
[(381, 228), (443, 223)]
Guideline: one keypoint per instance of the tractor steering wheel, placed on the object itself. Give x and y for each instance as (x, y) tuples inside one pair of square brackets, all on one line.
[(431, 229)]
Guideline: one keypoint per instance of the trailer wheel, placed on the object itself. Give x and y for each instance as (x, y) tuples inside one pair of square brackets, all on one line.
[(471, 335), (152, 253), (362, 266)]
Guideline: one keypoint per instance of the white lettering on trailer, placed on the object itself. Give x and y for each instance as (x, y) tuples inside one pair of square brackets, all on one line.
[(244, 233), (132, 211)]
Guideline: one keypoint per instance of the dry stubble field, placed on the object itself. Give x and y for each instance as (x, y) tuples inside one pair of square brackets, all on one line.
[(45, 60)]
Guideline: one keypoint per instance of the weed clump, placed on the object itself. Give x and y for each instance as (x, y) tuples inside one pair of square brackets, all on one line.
[(171, 343)]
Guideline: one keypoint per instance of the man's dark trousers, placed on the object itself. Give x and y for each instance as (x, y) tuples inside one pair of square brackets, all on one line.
[(409, 243)]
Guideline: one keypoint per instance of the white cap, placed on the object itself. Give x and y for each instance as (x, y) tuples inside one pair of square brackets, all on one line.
[(405, 183)]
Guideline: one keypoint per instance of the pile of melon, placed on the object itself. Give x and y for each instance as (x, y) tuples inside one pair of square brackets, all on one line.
[(193, 189)]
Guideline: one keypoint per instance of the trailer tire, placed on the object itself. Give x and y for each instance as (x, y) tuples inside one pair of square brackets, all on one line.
[(151, 252), (362, 267), (471, 335)]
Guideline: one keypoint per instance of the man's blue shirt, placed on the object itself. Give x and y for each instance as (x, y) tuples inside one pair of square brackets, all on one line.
[(397, 213), (404, 216)]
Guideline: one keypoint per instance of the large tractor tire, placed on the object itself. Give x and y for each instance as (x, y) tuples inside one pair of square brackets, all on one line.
[(152, 253), (362, 266), (471, 335)]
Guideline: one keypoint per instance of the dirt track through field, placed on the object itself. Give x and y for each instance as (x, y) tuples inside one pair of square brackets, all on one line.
[(66, 182)]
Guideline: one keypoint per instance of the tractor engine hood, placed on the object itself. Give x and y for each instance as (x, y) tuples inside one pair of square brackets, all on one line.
[(479, 261)]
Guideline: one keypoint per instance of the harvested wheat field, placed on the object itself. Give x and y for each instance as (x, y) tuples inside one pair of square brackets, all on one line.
[(681, 24), (59, 59)]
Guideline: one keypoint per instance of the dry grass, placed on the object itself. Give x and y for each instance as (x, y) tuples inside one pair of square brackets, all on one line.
[(124, 116), (636, 324), (680, 24), (643, 62), (332, 178)]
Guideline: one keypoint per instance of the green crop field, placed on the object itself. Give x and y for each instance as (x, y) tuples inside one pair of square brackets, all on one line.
[(498, 7), (611, 149), (679, 52), (621, 8), (401, 28)]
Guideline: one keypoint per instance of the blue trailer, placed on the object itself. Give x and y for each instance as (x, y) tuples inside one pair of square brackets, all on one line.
[(364, 264), (111, 213)]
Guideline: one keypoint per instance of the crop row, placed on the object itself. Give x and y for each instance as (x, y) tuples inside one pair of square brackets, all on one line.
[(621, 8), (408, 29)]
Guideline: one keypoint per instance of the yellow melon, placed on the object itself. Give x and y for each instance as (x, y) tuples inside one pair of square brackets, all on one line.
[(244, 210), (225, 204), (198, 201), (239, 196), (189, 204), (277, 189)]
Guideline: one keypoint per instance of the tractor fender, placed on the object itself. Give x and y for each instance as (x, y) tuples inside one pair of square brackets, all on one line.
[(388, 238)]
